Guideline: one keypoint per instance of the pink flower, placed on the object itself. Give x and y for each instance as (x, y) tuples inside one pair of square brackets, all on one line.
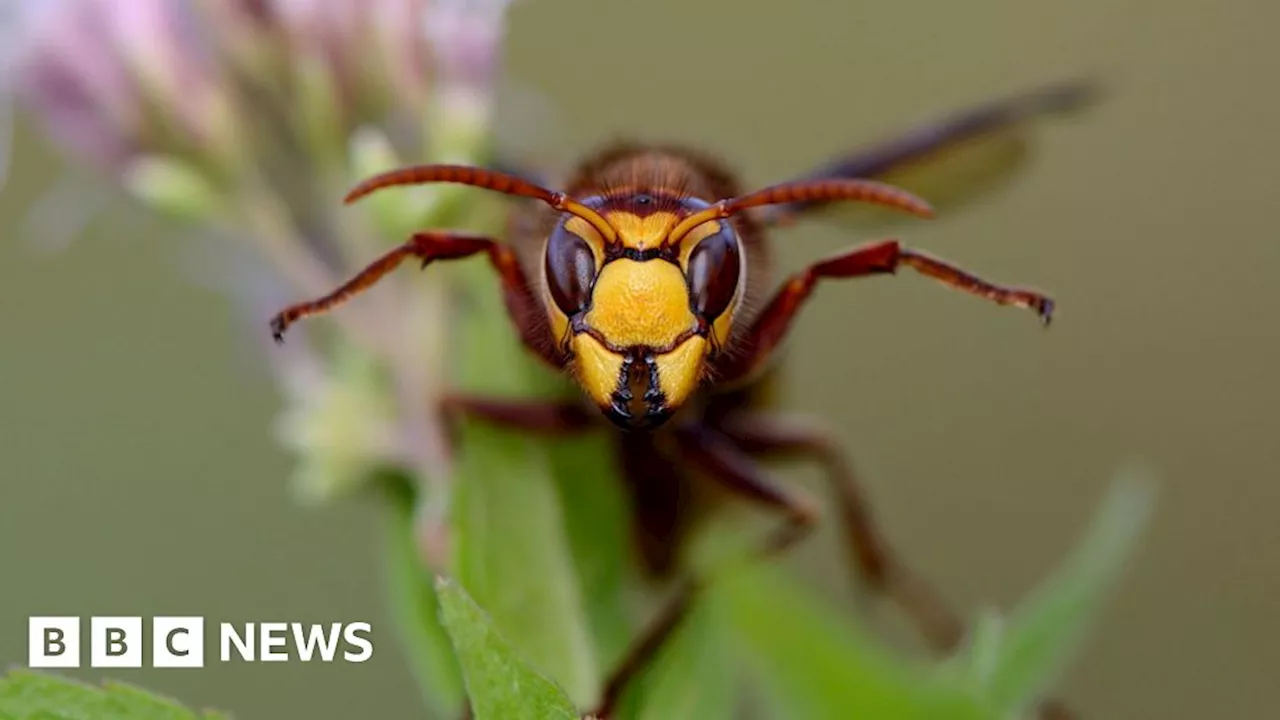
[(253, 117), (65, 68), (110, 79)]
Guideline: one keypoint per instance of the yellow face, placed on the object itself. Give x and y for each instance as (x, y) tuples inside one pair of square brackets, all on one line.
[(639, 316)]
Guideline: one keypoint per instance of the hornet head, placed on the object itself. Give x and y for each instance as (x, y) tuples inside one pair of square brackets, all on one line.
[(642, 304)]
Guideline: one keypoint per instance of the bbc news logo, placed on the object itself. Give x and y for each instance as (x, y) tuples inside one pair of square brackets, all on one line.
[(179, 642)]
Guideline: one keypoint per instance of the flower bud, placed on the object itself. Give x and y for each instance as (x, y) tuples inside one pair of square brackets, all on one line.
[(171, 186), (341, 423), (395, 214)]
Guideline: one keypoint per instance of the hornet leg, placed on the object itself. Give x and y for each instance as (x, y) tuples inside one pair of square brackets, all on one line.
[(884, 257), (773, 435), (715, 456), (428, 247)]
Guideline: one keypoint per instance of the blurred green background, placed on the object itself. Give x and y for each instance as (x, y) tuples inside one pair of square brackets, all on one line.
[(140, 475)]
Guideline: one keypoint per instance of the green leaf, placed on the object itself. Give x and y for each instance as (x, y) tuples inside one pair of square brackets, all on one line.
[(502, 685), (597, 523), (595, 511), (28, 695), (815, 663), (416, 608), (1039, 637), (692, 676), (511, 547)]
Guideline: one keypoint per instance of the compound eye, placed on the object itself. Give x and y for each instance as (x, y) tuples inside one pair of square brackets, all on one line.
[(571, 269), (713, 273)]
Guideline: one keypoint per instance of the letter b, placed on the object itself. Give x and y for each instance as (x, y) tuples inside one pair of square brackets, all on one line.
[(115, 642), (53, 642)]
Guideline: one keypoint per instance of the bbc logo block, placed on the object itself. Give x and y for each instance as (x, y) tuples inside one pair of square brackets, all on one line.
[(178, 642), (53, 642), (115, 642)]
